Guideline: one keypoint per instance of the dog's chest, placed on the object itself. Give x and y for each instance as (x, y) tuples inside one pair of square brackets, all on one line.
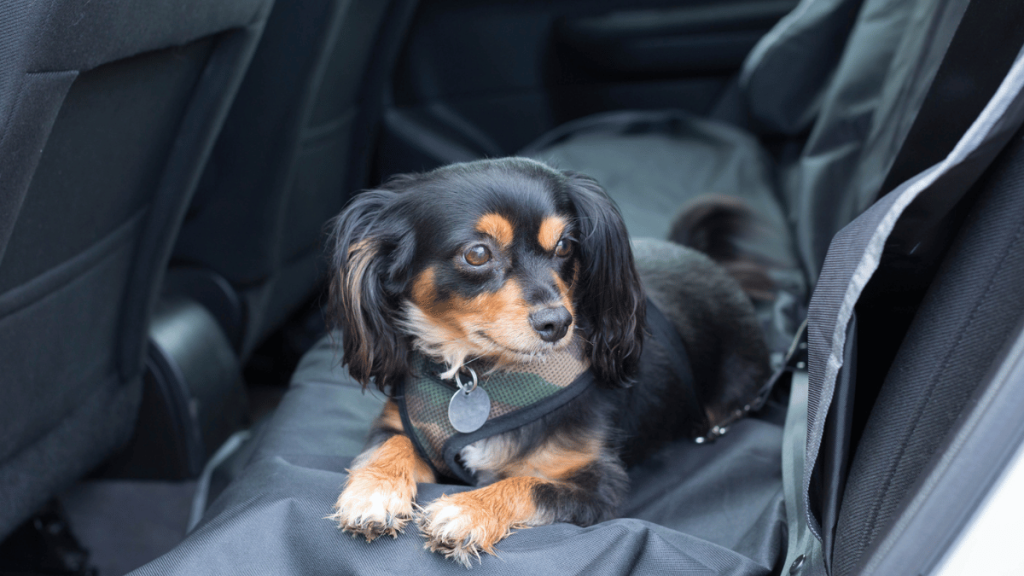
[(518, 395), (485, 458)]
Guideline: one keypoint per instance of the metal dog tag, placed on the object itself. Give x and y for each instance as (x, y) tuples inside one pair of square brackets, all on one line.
[(469, 407)]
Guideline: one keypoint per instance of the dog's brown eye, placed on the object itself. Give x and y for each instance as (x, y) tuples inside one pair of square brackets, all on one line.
[(478, 255), (563, 248)]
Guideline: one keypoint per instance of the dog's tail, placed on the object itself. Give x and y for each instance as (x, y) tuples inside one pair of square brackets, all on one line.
[(717, 226)]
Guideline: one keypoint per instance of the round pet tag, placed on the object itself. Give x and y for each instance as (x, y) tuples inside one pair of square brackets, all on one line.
[(469, 407)]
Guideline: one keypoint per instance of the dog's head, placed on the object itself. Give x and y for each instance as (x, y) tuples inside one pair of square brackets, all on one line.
[(498, 259)]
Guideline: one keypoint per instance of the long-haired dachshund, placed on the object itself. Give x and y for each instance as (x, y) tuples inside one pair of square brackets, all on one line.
[(510, 264)]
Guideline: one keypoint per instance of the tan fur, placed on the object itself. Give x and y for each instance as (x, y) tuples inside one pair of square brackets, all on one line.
[(558, 459), (378, 497), (360, 255), (550, 232), (496, 226), (461, 525), (494, 325), (566, 291), (390, 418)]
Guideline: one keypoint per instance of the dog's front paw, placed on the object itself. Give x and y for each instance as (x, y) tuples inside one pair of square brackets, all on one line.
[(460, 529), (460, 526), (373, 504)]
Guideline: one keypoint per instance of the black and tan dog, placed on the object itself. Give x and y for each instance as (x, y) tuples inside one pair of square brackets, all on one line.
[(507, 262)]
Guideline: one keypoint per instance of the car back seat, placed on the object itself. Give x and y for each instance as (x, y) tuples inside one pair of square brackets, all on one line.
[(813, 183), (296, 472)]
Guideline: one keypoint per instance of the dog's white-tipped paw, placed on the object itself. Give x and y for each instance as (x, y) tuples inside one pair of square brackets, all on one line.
[(460, 530), (370, 507)]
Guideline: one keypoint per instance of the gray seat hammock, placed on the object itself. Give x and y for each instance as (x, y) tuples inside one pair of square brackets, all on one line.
[(760, 500)]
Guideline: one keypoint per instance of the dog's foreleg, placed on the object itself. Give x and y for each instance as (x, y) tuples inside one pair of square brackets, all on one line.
[(378, 496), (462, 525)]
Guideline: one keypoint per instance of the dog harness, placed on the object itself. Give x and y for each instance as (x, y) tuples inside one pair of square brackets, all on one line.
[(518, 395)]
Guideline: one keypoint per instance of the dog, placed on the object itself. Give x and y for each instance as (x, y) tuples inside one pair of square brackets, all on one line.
[(509, 262)]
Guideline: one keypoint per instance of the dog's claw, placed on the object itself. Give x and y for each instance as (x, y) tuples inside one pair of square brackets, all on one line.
[(393, 526)]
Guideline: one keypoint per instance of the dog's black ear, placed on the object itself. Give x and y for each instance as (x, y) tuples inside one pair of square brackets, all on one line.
[(610, 296), (372, 250)]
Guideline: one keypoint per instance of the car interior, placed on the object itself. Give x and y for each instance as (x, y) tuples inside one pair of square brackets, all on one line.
[(172, 400)]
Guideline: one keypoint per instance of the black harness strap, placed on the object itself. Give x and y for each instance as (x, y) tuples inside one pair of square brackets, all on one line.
[(664, 335)]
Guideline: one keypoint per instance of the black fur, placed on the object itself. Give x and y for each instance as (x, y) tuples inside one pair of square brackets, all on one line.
[(614, 305), (366, 308), (715, 225)]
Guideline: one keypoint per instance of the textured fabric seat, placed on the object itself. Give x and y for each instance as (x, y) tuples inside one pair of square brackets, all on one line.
[(108, 111), (680, 514), (719, 158), (295, 145)]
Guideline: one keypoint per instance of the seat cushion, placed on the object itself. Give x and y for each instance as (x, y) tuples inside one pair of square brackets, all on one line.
[(715, 508)]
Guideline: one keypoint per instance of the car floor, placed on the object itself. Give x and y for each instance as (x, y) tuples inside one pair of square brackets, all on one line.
[(126, 523)]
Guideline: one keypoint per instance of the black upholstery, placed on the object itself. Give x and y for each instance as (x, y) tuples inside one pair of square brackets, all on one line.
[(970, 310), (107, 112), (861, 96), (296, 143)]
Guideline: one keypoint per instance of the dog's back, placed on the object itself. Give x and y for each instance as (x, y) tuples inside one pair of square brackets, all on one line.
[(703, 282)]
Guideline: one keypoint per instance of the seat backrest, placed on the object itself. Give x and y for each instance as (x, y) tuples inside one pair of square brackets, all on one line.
[(296, 143), (844, 79), (107, 112), (967, 314), (931, 274), (892, 55)]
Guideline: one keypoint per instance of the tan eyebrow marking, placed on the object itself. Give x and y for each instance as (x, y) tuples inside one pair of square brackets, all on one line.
[(496, 226), (551, 228)]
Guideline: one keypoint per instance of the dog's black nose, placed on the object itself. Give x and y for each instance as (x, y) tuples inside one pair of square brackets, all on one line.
[(551, 323)]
